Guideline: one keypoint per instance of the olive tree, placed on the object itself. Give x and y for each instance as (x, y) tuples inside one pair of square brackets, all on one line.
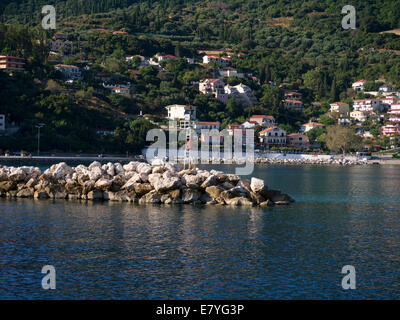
[(342, 139)]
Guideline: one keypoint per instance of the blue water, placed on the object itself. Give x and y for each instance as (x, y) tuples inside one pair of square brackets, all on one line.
[(343, 216)]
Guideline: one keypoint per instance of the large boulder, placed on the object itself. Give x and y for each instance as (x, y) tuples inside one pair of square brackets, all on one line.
[(190, 195), (131, 166), (17, 175), (144, 168), (151, 197), (214, 192), (95, 195), (7, 186), (129, 185), (26, 193), (103, 184), (239, 201), (60, 170), (193, 181), (142, 188), (172, 197), (210, 181), (257, 185)]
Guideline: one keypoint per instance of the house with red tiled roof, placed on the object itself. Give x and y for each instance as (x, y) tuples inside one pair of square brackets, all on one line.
[(60, 35), (263, 120), (225, 62), (273, 136), (293, 105), (117, 32), (298, 140), (69, 71), (359, 85)]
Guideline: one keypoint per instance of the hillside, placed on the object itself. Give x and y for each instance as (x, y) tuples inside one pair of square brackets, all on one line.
[(296, 45)]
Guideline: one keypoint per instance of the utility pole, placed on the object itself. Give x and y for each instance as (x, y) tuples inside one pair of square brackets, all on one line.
[(38, 126)]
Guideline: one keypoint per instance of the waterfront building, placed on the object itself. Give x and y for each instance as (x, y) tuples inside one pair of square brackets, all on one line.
[(298, 140), (273, 136)]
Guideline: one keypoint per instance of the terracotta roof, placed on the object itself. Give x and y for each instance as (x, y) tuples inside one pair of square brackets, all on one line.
[(269, 129), (11, 57), (294, 101), (293, 92), (208, 122), (343, 103), (261, 116), (314, 124), (66, 66)]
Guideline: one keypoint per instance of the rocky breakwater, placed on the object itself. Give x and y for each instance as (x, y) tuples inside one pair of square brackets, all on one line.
[(137, 182)]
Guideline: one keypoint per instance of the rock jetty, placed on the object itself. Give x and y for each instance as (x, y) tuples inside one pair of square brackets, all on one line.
[(316, 161), (137, 182)]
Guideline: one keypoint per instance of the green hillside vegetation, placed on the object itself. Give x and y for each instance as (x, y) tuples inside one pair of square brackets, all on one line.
[(298, 45)]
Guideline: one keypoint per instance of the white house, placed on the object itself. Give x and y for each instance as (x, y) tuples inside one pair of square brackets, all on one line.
[(225, 62), (241, 93), (230, 72), (389, 100), (2, 122), (359, 85), (144, 62), (263, 120), (181, 112), (344, 121), (368, 105), (385, 88), (215, 87), (360, 116), (70, 72), (167, 57), (294, 105), (120, 90), (273, 136), (394, 109), (340, 107), (249, 124), (310, 125)]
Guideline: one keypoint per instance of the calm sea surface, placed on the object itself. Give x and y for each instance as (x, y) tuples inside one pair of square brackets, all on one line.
[(343, 216)]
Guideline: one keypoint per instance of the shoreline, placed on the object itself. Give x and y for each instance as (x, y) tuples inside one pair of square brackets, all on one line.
[(338, 161)]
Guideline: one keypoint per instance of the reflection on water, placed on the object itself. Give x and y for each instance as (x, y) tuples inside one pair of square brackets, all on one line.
[(124, 251)]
